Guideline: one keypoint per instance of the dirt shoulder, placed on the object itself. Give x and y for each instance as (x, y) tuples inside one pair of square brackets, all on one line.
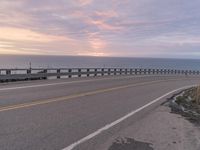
[(163, 129)]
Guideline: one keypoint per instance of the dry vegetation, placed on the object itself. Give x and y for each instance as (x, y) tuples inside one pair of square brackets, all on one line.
[(197, 98), (188, 104)]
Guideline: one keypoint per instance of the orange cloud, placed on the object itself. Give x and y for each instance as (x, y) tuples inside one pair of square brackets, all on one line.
[(18, 34)]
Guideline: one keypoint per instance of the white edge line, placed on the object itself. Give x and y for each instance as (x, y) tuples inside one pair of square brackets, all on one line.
[(69, 82), (108, 126)]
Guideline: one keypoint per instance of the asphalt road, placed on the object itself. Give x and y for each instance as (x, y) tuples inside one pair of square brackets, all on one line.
[(68, 113)]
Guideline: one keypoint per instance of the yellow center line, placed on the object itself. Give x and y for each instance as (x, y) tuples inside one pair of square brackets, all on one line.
[(64, 98)]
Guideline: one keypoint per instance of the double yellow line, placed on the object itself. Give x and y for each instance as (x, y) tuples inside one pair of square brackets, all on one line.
[(64, 98)]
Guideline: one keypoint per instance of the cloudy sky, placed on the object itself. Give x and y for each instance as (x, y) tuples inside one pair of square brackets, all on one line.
[(133, 28)]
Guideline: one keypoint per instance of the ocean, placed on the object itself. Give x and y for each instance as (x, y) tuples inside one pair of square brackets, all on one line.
[(21, 61)]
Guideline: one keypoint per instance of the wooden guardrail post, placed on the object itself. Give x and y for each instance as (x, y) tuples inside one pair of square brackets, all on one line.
[(69, 71), (131, 71), (172, 72), (136, 72), (95, 72), (165, 71), (161, 71), (120, 71), (109, 71), (145, 71), (186, 72), (102, 72), (88, 72), (149, 71), (157, 71), (140, 71), (28, 71), (45, 74), (115, 71), (126, 71), (8, 72), (79, 72), (58, 72)]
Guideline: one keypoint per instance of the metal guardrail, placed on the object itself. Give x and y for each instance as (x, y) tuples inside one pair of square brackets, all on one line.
[(43, 73)]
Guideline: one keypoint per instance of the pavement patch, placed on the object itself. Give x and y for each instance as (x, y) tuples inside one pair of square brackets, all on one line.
[(130, 144)]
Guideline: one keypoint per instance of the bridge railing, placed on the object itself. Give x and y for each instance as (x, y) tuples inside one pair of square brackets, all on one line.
[(44, 73)]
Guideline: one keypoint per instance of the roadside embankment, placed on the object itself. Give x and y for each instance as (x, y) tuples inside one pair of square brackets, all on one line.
[(187, 105)]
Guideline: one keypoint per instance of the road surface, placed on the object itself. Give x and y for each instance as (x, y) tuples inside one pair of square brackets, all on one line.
[(77, 113)]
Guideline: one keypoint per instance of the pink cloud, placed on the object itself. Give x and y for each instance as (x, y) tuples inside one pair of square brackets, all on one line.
[(84, 2), (107, 14)]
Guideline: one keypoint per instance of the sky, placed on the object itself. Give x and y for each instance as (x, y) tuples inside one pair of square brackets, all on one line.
[(118, 28)]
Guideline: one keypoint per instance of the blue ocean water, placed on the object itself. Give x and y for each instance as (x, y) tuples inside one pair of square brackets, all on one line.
[(19, 61)]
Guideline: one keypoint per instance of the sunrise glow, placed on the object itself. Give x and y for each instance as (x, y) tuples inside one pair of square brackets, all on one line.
[(100, 28)]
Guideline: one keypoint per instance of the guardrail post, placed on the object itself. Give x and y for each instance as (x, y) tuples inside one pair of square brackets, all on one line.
[(186, 72), (144, 71), (140, 71), (28, 71), (102, 72), (58, 72), (79, 72), (157, 71), (148, 71), (69, 71), (109, 72), (120, 71), (161, 71), (95, 72), (88, 72), (126, 71), (45, 74), (115, 71), (131, 71), (136, 72), (8, 72)]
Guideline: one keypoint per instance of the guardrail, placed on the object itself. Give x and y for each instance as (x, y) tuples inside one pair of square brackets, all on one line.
[(44, 73)]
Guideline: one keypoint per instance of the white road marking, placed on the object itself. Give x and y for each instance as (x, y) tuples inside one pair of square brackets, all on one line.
[(69, 82), (108, 126)]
